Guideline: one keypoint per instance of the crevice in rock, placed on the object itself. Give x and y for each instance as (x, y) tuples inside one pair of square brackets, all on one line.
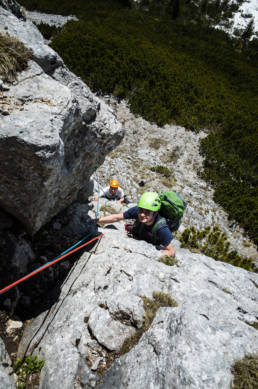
[(255, 284), (241, 310), (28, 78), (206, 317), (214, 283), (153, 347), (129, 276), (150, 306), (108, 271), (174, 279)]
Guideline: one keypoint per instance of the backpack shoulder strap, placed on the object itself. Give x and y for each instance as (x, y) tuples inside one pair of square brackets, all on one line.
[(157, 226)]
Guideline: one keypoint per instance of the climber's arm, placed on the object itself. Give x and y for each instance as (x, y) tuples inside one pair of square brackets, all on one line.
[(110, 218), (169, 250)]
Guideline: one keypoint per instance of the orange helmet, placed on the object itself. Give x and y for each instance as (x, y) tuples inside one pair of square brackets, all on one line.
[(114, 184)]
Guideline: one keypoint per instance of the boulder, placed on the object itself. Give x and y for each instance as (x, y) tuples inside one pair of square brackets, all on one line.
[(115, 332), (53, 136)]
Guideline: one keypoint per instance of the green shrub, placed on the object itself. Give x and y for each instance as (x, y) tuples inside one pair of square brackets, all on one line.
[(161, 170), (26, 367), (213, 243), (48, 31), (14, 57)]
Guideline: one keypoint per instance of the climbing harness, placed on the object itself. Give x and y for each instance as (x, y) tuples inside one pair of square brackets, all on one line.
[(63, 255)]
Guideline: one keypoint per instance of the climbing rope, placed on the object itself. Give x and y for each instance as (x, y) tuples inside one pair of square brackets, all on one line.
[(97, 209), (57, 306), (63, 255)]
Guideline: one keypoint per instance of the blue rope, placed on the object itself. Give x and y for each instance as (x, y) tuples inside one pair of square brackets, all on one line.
[(57, 259), (66, 251)]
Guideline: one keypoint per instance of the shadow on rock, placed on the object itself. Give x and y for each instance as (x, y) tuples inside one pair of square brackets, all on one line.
[(22, 255)]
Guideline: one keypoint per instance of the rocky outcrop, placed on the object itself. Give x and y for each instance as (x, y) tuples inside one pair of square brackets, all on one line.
[(6, 381), (13, 7), (51, 20), (28, 33), (192, 345), (54, 133)]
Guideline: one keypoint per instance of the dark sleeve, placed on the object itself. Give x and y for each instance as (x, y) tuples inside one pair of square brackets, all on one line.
[(164, 235), (131, 213)]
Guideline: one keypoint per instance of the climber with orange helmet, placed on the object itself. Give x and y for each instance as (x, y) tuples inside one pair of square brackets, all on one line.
[(149, 225), (112, 192)]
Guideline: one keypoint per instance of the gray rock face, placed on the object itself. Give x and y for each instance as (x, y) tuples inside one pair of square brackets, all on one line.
[(6, 381), (115, 332), (12, 6), (53, 137), (22, 254), (28, 33), (129, 307), (51, 20), (191, 346)]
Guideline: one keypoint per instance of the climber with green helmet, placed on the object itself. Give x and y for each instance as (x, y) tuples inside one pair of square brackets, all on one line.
[(149, 225)]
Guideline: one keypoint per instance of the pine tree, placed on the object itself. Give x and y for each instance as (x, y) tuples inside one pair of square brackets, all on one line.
[(173, 8), (248, 32)]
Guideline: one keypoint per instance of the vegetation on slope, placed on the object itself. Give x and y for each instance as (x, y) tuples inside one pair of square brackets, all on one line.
[(245, 372), (48, 31), (174, 68), (27, 370), (214, 244), (14, 57)]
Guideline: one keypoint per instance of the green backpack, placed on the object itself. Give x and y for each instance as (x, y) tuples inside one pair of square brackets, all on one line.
[(172, 206)]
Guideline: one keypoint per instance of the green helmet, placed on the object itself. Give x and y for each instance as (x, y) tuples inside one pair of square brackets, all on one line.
[(150, 201)]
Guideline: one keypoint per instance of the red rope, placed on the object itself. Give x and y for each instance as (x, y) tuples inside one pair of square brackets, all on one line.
[(47, 265)]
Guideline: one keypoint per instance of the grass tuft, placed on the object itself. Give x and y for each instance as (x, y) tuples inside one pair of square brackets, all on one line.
[(245, 373), (156, 143), (169, 261), (164, 299), (253, 324), (161, 170), (14, 57)]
